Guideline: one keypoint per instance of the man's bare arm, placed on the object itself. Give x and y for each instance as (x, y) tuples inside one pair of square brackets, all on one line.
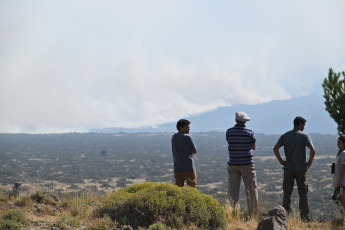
[(341, 177), (276, 152), (311, 156), (254, 145)]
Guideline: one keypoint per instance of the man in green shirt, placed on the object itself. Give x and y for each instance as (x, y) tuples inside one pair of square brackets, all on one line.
[(295, 165)]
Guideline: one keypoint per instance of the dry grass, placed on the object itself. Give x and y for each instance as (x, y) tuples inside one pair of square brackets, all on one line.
[(240, 221), (76, 212), (67, 213)]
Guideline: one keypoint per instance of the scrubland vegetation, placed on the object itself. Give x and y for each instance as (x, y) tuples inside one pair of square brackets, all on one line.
[(151, 206)]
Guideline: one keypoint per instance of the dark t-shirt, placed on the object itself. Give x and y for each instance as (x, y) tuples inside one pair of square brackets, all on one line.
[(295, 143), (182, 147)]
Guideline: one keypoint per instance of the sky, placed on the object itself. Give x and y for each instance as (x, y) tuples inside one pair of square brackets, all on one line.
[(73, 66)]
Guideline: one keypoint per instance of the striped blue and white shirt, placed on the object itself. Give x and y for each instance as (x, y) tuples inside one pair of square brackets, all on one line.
[(240, 141)]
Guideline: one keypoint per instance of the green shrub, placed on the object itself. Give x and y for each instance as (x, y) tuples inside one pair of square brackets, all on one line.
[(99, 228), (43, 197), (157, 226), (9, 224), (142, 205), (67, 220), (3, 197), (13, 219), (101, 223), (24, 202)]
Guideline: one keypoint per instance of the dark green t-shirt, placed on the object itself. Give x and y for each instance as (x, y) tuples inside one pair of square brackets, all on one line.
[(295, 143)]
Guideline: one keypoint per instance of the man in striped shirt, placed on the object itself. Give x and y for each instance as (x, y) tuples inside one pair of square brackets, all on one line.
[(242, 143)]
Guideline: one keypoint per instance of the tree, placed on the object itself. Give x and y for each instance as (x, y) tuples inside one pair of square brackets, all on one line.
[(334, 93)]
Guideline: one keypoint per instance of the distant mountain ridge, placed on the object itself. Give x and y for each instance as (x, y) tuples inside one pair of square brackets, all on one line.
[(274, 117)]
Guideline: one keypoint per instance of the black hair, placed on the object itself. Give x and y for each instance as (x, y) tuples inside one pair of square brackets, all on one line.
[(299, 120), (182, 123), (342, 138)]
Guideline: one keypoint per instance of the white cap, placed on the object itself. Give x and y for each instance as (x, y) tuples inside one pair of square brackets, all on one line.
[(242, 116)]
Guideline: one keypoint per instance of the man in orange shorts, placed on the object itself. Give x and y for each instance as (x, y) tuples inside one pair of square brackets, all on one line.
[(183, 149)]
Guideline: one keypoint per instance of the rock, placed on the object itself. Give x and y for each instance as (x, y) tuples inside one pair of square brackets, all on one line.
[(15, 190), (275, 219)]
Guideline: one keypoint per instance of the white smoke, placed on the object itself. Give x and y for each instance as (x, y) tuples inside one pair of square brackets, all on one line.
[(72, 66)]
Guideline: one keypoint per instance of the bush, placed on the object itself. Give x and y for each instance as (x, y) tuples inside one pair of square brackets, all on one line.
[(98, 228), (157, 226), (43, 197), (66, 220), (142, 205), (13, 219), (100, 223), (24, 202), (3, 197), (9, 224)]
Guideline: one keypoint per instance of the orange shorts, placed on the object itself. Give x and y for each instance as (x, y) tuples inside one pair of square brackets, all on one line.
[(190, 177)]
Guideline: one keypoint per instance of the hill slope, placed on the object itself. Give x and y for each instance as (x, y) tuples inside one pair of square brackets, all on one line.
[(273, 117)]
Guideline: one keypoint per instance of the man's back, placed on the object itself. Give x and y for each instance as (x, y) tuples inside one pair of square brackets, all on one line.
[(295, 143), (295, 165), (240, 140), (182, 147)]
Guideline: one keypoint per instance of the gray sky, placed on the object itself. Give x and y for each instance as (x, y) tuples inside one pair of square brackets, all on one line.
[(76, 65)]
